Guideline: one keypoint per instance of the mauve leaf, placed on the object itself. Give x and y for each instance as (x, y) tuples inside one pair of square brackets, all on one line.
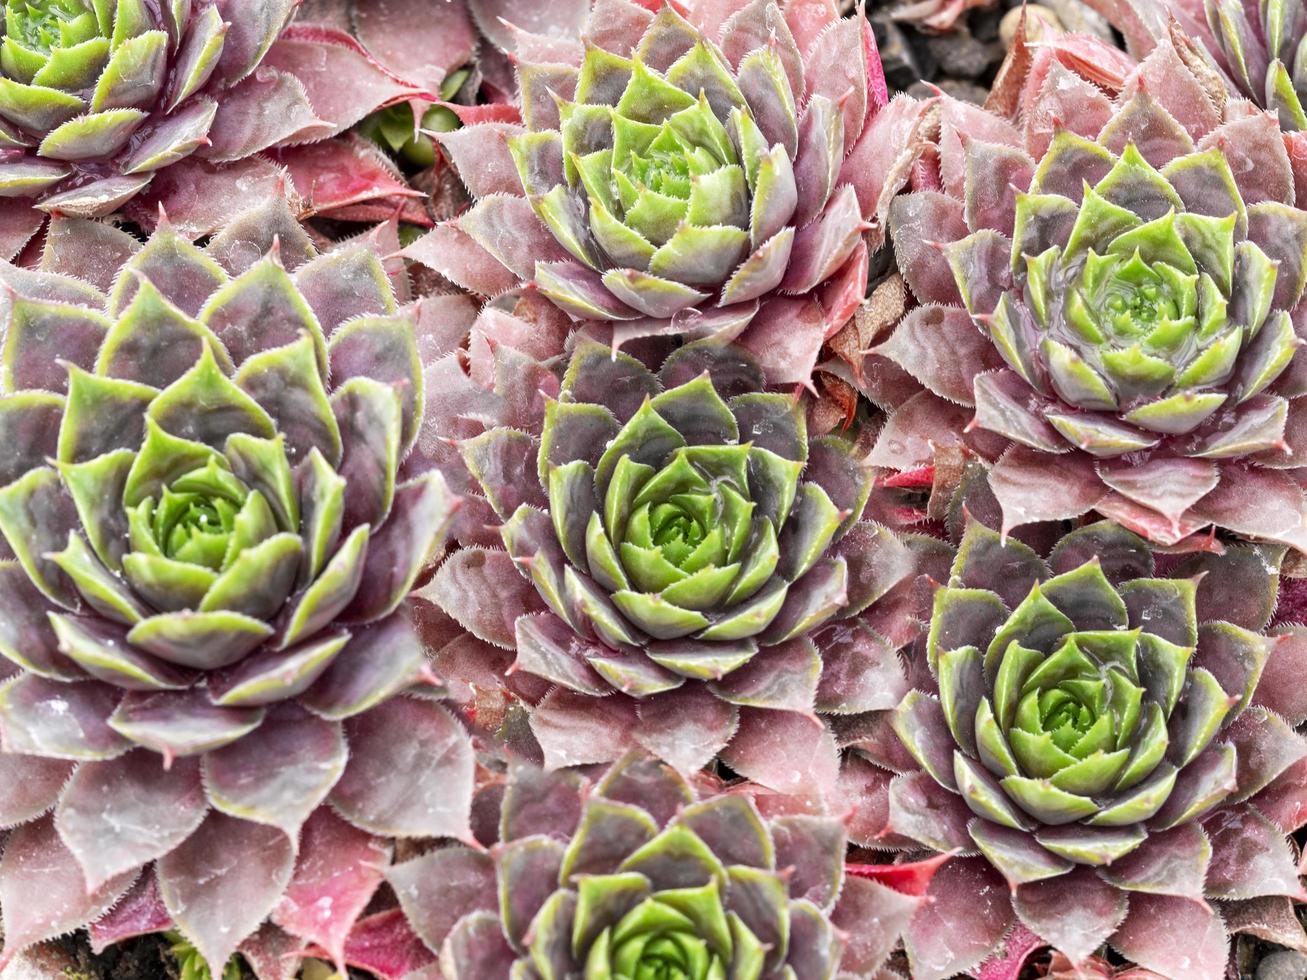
[(1250, 856), (1168, 862), (32, 786), (320, 57), (872, 916), (485, 592), (813, 849), (1024, 482), (1075, 912), (272, 953), (43, 893), (1279, 689), (574, 729), (784, 751), (1174, 936), (416, 40), (440, 887), (59, 720), (409, 772), (281, 773), (966, 914), (138, 913), (223, 882), (686, 727), (118, 815), (337, 873), (923, 810)]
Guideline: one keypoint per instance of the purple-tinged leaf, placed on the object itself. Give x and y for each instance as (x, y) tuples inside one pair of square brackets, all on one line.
[(338, 871), (138, 913), (686, 727), (118, 815), (223, 882), (1173, 936), (43, 893), (965, 916), (872, 916), (272, 953), (574, 729), (1075, 912), (784, 751), (1169, 862), (409, 772), (32, 786), (1250, 856), (385, 945), (62, 721), (440, 887), (485, 592), (279, 775)]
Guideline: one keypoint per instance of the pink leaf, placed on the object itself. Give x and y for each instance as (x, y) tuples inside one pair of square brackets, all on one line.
[(384, 945), (416, 39), (342, 172), (784, 751), (1177, 937), (338, 872), (962, 924)]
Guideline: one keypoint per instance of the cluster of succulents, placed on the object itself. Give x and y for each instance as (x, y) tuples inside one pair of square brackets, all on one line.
[(712, 521), (1117, 288)]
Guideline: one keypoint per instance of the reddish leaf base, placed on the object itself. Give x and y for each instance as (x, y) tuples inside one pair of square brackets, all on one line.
[(1009, 961)]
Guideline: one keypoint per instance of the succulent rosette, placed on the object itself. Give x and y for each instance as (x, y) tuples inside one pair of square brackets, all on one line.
[(205, 577), (1113, 743), (642, 874), (1115, 296), (706, 175), (675, 548), (100, 98)]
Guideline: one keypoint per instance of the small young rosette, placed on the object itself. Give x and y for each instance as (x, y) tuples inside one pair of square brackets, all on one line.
[(682, 175), (1136, 273), (1110, 741), (206, 563), (644, 875), (686, 543)]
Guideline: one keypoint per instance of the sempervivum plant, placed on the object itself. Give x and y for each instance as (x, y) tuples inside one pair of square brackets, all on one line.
[(643, 875), (683, 176), (99, 97), (1115, 744), (697, 575), (1116, 293), (203, 591)]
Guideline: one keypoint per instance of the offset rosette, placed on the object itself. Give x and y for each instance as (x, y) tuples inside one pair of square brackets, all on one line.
[(683, 175), (682, 543), (1112, 749), (1138, 285), (646, 877), (1156, 327), (207, 555)]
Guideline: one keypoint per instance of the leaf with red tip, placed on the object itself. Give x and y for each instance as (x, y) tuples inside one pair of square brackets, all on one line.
[(222, 883), (912, 878), (409, 772), (43, 893), (338, 872), (966, 914), (118, 815), (139, 913), (1174, 936)]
